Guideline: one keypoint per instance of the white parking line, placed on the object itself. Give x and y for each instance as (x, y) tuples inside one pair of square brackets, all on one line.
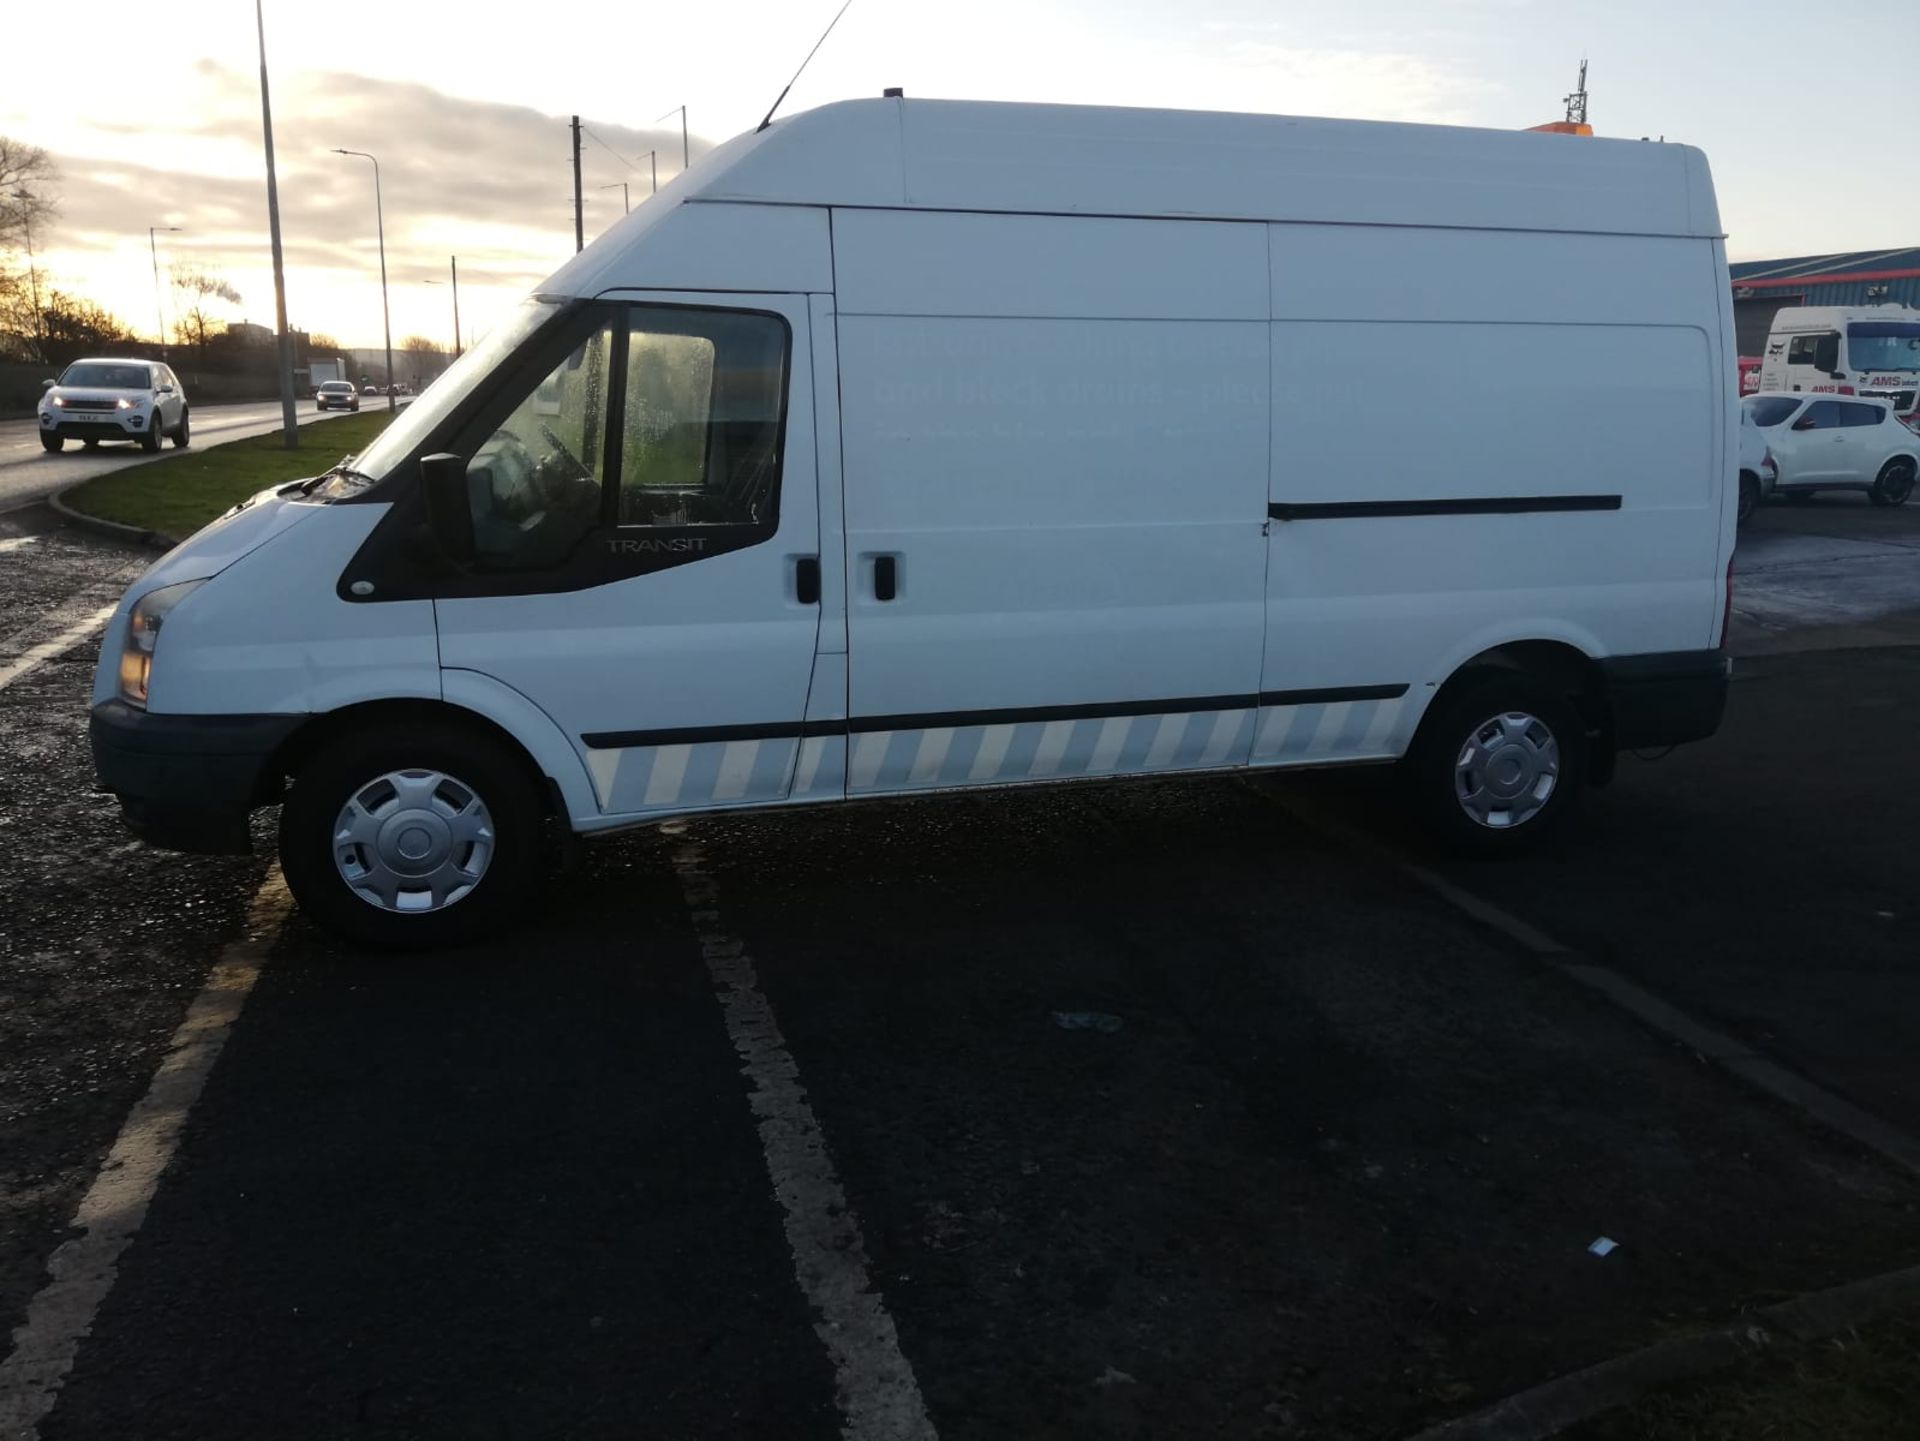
[(1733, 1055), (875, 1389), (82, 1271), (66, 640)]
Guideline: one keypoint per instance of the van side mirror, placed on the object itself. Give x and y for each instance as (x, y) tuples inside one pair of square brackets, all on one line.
[(48, 384), (449, 515), (1826, 354)]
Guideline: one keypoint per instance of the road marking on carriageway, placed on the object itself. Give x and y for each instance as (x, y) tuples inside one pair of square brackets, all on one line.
[(81, 1272), (874, 1386), (80, 616)]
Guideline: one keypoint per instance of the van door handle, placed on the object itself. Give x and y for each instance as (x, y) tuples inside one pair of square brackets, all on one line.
[(886, 577), (806, 579)]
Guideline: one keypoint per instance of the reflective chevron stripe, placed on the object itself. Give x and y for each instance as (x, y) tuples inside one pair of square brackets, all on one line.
[(760, 768)]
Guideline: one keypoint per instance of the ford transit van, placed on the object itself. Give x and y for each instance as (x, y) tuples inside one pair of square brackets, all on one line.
[(909, 446)]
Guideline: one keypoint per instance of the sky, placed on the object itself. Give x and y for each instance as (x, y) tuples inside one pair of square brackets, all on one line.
[(467, 105)]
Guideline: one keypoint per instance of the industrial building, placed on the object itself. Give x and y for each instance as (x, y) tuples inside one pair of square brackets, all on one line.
[(1856, 277)]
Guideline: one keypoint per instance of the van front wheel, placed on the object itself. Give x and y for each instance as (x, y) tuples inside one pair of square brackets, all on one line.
[(1498, 763), (412, 837)]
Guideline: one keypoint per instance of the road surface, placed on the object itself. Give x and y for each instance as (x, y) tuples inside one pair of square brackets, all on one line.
[(28, 473)]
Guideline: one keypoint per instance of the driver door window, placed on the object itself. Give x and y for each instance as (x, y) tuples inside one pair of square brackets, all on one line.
[(663, 418), (700, 442), (534, 485)]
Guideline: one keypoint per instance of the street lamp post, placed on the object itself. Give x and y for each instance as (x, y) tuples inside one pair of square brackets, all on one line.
[(652, 157), (684, 160), (455, 263), (289, 421), (33, 277), (159, 311), (380, 219), (626, 201)]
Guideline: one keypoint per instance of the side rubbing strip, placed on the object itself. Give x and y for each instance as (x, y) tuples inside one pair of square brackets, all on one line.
[(1468, 505), (941, 720)]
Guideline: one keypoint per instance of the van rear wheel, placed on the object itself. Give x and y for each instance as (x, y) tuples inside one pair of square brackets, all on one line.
[(411, 837), (1498, 763)]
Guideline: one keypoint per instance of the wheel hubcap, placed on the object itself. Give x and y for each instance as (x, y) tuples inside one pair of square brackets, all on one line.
[(413, 841), (1507, 770)]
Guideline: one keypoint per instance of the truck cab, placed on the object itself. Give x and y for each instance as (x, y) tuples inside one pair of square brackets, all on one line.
[(1869, 350)]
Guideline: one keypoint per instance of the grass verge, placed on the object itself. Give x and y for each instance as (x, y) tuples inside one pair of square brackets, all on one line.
[(1862, 1385), (178, 495)]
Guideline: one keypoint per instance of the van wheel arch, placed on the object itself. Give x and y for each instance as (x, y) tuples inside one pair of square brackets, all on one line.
[(1568, 670), (328, 726)]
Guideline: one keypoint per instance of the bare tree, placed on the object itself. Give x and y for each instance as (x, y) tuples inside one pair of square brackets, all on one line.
[(425, 358), (320, 343), (28, 201), (199, 289), (28, 194), (74, 327)]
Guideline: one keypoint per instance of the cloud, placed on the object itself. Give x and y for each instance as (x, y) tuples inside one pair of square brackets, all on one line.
[(487, 181), (1350, 84)]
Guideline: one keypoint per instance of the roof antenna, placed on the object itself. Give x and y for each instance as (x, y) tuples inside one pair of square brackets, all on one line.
[(803, 65)]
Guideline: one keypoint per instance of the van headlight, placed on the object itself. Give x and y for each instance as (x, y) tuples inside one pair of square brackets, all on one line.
[(144, 621)]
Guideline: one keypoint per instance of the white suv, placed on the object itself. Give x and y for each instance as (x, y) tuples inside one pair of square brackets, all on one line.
[(1827, 442), (96, 400)]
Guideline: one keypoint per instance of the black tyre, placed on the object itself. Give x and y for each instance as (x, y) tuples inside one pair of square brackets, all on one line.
[(412, 836), (1498, 763), (1749, 497), (1894, 484), (53, 444), (150, 438), (183, 432)]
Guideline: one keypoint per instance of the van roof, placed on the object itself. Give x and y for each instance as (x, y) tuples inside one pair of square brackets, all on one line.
[(1073, 159), (1825, 317)]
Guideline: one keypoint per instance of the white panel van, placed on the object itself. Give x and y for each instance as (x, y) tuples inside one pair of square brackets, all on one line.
[(910, 446)]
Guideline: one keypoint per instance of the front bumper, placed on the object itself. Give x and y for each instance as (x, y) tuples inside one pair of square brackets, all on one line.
[(187, 782), (1667, 698), (94, 425)]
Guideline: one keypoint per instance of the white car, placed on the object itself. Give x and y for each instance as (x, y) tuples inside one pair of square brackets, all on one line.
[(1831, 442), (96, 400), (1759, 473), (336, 395)]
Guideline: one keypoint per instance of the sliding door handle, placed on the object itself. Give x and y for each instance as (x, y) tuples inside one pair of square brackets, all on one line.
[(886, 577)]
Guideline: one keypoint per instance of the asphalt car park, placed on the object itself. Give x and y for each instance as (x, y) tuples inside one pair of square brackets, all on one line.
[(1186, 1108)]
